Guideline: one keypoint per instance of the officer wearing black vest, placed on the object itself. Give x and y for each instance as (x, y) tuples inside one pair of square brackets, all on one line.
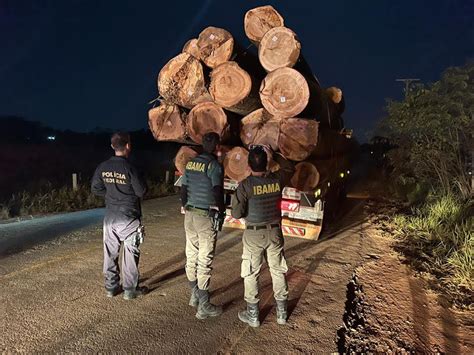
[(257, 199), (201, 191), (119, 182)]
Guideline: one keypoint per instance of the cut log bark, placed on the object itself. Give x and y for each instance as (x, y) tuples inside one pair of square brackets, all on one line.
[(191, 47), (259, 127), (167, 122), (184, 155), (182, 82), (232, 88), (284, 92), (215, 46), (206, 117), (298, 138), (260, 20), (306, 176), (279, 48), (236, 164)]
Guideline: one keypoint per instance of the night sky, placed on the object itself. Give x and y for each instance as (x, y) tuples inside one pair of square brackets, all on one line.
[(79, 65)]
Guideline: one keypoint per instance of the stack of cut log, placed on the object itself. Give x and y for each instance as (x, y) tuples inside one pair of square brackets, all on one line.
[(270, 99)]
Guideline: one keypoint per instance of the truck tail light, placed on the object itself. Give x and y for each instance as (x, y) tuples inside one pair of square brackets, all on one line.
[(290, 205)]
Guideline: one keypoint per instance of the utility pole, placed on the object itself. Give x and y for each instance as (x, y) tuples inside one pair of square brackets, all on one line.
[(407, 82)]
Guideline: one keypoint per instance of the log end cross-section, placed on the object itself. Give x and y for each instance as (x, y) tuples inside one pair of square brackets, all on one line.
[(298, 138), (305, 177), (167, 122), (259, 127), (181, 81), (279, 48), (184, 155), (191, 47), (260, 20), (284, 92), (215, 46), (206, 117), (236, 164), (230, 84)]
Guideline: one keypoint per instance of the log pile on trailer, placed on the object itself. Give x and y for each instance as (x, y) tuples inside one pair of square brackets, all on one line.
[(267, 97)]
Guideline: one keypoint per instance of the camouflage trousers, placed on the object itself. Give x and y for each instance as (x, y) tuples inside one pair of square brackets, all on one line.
[(257, 245)]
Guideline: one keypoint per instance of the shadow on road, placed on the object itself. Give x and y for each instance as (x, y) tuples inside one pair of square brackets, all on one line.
[(155, 277)]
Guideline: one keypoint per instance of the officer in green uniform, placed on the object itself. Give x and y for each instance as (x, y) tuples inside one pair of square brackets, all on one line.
[(201, 191), (257, 199)]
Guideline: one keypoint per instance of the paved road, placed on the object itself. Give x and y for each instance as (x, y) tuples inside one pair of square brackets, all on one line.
[(53, 298), (18, 236)]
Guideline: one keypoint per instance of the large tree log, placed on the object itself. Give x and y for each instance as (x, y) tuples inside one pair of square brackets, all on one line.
[(306, 176), (284, 92), (222, 152), (260, 20), (215, 46), (167, 122), (335, 94), (184, 155), (206, 117), (315, 106), (191, 47), (181, 81), (331, 143), (298, 138), (334, 100), (330, 169), (259, 127), (279, 48), (232, 88), (236, 164)]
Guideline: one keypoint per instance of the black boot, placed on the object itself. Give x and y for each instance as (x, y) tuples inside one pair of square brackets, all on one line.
[(205, 308), (250, 315), (282, 314), (194, 300)]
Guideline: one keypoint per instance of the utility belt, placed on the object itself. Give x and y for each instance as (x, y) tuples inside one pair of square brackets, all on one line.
[(217, 217), (204, 212), (264, 226)]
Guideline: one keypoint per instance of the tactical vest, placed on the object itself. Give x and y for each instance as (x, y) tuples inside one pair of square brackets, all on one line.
[(198, 183), (264, 200)]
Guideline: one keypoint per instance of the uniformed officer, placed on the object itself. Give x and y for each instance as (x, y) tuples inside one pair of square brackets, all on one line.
[(257, 199), (202, 189), (122, 186)]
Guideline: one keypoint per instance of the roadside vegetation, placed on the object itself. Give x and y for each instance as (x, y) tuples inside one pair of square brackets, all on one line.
[(433, 131), (65, 199)]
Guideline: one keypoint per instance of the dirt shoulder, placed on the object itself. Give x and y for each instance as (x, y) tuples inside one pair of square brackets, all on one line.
[(392, 308), (53, 300)]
